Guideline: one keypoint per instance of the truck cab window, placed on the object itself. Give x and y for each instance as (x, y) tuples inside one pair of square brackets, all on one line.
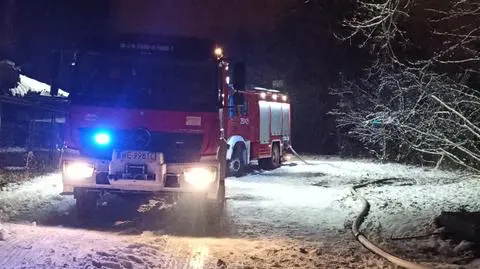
[(232, 111), (231, 107), (244, 107)]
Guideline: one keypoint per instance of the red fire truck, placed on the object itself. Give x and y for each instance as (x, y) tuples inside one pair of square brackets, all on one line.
[(257, 130), (153, 114)]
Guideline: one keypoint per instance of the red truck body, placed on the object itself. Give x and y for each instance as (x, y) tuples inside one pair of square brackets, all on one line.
[(203, 123), (159, 116)]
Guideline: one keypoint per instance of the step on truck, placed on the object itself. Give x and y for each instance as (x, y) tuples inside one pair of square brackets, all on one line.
[(157, 115)]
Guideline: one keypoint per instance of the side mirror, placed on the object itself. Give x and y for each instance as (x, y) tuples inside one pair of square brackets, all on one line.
[(238, 99), (239, 76)]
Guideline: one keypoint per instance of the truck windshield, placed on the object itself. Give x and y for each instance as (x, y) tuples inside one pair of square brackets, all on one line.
[(146, 83)]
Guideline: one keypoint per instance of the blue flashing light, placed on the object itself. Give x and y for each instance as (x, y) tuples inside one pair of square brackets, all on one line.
[(102, 138)]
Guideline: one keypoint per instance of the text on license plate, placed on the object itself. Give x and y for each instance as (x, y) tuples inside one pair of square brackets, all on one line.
[(138, 156)]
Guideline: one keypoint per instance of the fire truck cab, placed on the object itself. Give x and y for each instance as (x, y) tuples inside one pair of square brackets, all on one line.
[(258, 129), (146, 116), (157, 115)]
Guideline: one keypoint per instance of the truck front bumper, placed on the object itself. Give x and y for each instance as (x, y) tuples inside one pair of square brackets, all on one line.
[(97, 175)]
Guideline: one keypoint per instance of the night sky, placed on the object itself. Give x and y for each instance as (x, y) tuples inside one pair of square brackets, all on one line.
[(37, 26), (218, 19), (52, 20)]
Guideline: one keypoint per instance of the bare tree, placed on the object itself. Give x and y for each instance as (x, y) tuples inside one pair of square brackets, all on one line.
[(456, 30), (376, 23), (416, 106), (448, 31), (428, 117)]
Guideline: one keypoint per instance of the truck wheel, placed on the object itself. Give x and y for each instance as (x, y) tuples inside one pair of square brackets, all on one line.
[(237, 163), (86, 203), (272, 162)]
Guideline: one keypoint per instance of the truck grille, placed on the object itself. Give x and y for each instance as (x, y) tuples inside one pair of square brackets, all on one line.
[(176, 147)]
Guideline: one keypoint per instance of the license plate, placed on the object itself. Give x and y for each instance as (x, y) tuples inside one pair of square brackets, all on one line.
[(138, 156)]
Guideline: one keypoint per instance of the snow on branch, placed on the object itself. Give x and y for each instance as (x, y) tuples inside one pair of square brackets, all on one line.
[(417, 102), (390, 28), (406, 116)]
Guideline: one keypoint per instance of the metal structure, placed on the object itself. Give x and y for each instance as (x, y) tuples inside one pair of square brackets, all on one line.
[(33, 124)]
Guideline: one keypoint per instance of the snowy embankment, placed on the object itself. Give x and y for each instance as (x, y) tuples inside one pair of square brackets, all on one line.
[(402, 214), (34, 201), (297, 216)]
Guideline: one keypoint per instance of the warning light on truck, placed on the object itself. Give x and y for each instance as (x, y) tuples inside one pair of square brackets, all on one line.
[(218, 52), (102, 138)]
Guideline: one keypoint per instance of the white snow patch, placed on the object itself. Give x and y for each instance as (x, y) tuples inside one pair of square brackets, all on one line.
[(14, 168), (308, 204), (31, 85), (13, 150), (352, 171), (52, 247), (33, 199), (303, 199), (406, 210)]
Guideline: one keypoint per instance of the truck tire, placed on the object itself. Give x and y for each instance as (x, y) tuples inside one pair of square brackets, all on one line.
[(86, 203), (237, 164), (274, 161)]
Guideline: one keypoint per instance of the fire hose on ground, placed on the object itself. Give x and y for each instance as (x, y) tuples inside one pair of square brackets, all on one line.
[(360, 219), (298, 155), (364, 240)]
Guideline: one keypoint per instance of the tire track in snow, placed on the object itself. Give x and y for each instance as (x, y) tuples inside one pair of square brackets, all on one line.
[(53, 247)]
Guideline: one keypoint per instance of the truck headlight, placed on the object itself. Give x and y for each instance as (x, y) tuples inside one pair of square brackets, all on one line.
[(78, 170), (198, 177)]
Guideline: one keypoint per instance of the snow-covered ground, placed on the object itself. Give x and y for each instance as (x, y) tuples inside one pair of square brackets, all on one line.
[(297, 216)]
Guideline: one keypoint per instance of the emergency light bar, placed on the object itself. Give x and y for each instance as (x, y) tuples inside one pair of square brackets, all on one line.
[(265, 90), (269, 94)]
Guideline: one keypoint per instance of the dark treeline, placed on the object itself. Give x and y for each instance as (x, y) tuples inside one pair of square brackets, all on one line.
[(304, 52)]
